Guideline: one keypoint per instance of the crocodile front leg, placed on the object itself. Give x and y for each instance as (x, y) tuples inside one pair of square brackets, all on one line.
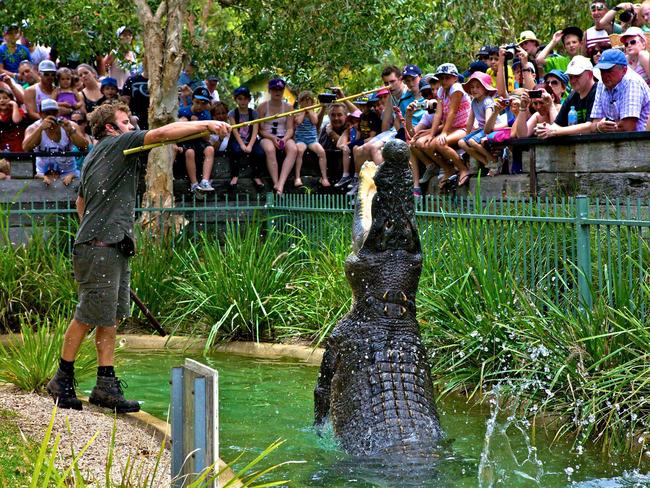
[(324, 385)]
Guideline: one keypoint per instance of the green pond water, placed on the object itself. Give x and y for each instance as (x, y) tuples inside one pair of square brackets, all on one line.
[(262, 400)]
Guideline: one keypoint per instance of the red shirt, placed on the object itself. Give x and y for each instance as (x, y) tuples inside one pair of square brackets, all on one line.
[(11, 135)]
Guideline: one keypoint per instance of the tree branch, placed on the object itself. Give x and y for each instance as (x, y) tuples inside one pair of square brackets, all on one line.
[(144, 12), (160, 11)]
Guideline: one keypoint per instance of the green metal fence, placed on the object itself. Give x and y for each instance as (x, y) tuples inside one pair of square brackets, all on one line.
[(574, 248)]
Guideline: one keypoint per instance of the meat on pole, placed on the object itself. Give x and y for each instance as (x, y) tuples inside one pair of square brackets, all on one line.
[(147, 147)]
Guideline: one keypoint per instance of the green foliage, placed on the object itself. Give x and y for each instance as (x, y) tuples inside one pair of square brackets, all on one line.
[(235, 288), (30, 359), (14, 458), (135, 473)]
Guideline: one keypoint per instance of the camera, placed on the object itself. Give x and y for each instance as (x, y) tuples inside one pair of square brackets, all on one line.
[(511, 50), (326, 98), (421, 105), (626, 16), (59, 120), (535, 93)]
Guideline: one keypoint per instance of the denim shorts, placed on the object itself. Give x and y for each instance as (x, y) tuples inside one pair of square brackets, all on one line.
[(103, 276), (475, 135)]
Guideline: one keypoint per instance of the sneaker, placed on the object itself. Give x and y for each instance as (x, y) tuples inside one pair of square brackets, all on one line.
[(194, 187), (417, 191), (428, 174), (343, 182), (353, 190), (205, 186), (354, 183), (108, 393), (62, 389)]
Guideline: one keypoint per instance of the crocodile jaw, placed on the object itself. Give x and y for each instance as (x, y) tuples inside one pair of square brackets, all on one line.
[(363, 211)]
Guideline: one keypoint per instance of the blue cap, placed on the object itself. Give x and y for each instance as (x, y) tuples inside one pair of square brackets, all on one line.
[(560, 75), (201, 93), (242, 90), (108, 81), (611, 58), (411, 70)]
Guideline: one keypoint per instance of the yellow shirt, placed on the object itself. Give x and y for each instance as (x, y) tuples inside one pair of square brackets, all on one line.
[(511, 78)]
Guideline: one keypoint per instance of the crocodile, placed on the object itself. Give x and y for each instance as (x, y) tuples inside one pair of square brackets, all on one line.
[(375, 384)]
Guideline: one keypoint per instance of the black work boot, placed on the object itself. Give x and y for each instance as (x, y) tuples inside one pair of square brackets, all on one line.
[(61, 387), (108, 394)]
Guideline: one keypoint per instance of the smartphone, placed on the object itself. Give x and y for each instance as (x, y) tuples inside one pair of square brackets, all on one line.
[(535, 93)]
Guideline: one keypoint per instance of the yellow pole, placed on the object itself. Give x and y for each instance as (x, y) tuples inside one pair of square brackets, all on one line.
[(146, 147)]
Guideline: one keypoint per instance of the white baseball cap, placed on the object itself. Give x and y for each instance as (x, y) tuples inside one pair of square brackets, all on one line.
[(578, 65)]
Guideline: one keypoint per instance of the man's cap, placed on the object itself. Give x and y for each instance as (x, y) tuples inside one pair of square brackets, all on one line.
[(632, 32), (212, 78), (447, 69), (429, 77), (474, 67), (108, 81), (201, 93), (10, 28), (576, 31), (49, 104), (123, 29), (611, 58), (380, 93), (356, 114), (527, 35), (277, 84), (578, 65), (46, 66), (424, 85), (411, 70), (484, 51), (242, 90), (529, 65), (559, 74)]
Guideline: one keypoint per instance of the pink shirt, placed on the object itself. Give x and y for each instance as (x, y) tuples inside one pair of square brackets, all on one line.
[(462, 114)]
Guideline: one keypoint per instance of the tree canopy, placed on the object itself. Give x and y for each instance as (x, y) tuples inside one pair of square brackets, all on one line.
[(313, 43)]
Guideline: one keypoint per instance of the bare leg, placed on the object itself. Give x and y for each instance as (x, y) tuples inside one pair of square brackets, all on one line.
[(190, 165), (271, 160), (105, 344), (322, 162), (208, 161), (73, 338), (290, 152), (301, 147), (67, 179)]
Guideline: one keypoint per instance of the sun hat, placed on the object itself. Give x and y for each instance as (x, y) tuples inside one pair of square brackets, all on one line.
[(632, 32), (527, 35), (611, 58), (429, 77), (242, 90), (356, 114), (447, 69), (578, 65), (46, 66), (49, 104), (484, 79), (108, 81), (572, 30), (411, 70), (277, 84), (201, 93), (123, 29), (559, 74), (361, 101)]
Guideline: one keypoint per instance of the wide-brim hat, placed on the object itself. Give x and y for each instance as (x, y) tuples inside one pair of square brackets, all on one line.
[(633, 32), (484, 79), (527, 35), (447, 69)]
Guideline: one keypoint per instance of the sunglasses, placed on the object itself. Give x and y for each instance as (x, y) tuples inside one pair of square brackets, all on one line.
[(598, 50), (48, 73), (598, 7), (630, 43), (553, 82)]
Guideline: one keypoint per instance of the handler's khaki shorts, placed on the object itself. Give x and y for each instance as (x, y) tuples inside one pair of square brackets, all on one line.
[(103, 276)]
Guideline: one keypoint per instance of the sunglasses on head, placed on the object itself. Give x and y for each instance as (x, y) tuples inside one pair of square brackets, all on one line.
[(631, 42), (598, 7)]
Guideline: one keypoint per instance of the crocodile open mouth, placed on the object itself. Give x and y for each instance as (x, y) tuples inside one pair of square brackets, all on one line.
[(365, 194)]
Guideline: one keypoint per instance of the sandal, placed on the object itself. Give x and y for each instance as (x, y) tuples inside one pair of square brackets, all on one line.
[(297, 183)]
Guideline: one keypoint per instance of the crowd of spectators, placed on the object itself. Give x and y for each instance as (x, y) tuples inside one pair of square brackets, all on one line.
[(577, 82)]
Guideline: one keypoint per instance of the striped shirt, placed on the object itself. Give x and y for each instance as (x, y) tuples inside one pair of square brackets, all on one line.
[(630, 98)]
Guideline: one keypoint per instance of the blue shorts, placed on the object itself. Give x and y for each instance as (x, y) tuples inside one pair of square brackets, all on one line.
[(475, 135)]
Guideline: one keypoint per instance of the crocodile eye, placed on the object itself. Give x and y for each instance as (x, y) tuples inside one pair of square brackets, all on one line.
[(389, 224)]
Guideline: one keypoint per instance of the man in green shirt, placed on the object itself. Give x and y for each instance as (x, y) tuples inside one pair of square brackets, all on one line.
[(104, 242)]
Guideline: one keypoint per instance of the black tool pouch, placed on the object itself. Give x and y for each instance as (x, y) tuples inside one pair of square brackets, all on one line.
[(126, 247)]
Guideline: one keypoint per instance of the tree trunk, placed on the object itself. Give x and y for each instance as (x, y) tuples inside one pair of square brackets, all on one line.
[(162, 36)]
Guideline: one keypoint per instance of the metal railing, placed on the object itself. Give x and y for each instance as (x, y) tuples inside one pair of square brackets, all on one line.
[(572, 248)]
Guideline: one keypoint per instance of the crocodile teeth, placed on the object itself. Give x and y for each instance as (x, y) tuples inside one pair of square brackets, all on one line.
[(404, 297)]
